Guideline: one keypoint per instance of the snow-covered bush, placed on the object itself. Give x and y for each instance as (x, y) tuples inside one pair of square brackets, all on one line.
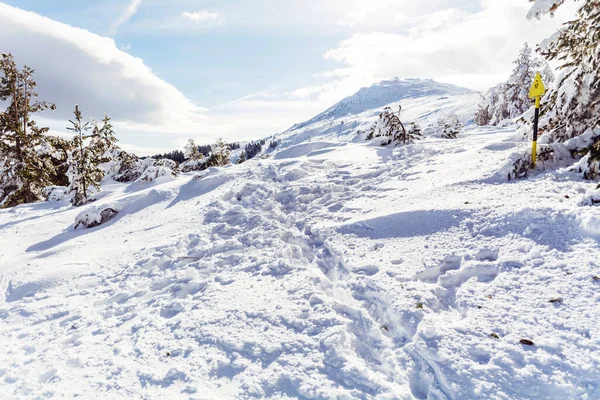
[(94, 216), (121, 166), (194, 165), (55, 193), (154, 169), (389, 129), (125, 167), (449, 127)]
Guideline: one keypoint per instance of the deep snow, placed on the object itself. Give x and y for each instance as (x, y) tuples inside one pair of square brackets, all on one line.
[(334, 269)]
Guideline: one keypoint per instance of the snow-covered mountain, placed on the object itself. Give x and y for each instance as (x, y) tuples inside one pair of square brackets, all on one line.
[(333, 269), (383, 93), (422, 100)]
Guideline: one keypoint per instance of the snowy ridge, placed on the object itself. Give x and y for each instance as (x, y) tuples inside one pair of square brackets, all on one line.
[(383, 93), (422, 101), (348, 271)]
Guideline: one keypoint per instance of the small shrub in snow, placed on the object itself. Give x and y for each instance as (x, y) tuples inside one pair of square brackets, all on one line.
[(94, 216), (55, 193), (389, 129), (450, 127), (194, 165), (157, 168), (121, 166)]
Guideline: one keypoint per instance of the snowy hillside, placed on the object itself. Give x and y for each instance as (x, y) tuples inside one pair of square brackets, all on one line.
[(423, 101), (383, 93), (352, 271)]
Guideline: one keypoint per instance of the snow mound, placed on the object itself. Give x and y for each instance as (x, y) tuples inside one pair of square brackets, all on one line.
[(304, 150), (95, 216)]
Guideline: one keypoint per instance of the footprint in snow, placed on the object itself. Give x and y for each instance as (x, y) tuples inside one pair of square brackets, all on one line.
[(368, 270), (487, 255)]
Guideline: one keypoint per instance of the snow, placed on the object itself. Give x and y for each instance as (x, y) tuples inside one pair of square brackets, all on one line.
[(333, 269), (385, 93), (542, 7)]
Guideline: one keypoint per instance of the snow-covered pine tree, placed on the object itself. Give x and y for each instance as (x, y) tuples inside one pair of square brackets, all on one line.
[(450, 127), (220, 154), (411, 134), (23, 173), (56, 150), (242, 158), (483, 116), (517, 99), (84, 173), (572, 106), (510, 100), (103, 139), (390, 129), (192, 152)]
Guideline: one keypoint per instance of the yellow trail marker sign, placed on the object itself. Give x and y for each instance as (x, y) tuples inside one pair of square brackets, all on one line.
[(536, 92), (537, 89)]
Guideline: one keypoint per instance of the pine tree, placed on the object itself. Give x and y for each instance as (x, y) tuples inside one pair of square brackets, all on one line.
[(103, 139), (450, 127), (220, 154), (23, 173), (390, 129), (56, 151), (510, 100), (573, 103), (519, 82), (482, 116), (242, 158), (83, 163), (413, 133), (192, 152)]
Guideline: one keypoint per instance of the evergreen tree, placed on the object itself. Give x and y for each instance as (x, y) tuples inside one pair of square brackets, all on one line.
[(572, 106), (242, 158), (483, 116), (103, 139), (23, 173), (220, 154), (56, 151), (413, 133), (519, 82), (390, 129), (83, 163), (450, 127), (191, 151), (510, 100), (251, 150)]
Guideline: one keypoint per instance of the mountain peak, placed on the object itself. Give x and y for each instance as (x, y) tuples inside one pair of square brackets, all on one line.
[(385, 92)]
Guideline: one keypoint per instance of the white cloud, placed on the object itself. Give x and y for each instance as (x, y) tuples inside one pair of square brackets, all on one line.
[(76, 66), (201, 16), (468, 48), (129, 12)]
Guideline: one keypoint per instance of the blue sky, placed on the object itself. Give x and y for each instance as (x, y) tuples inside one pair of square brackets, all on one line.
[(169, 70)]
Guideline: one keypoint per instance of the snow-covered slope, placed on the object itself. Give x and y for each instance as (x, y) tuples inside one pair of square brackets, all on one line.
[(383, 93), (422, 101), (348, 271)]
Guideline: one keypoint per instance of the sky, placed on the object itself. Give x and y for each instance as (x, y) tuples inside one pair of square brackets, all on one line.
[(169, 70)]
